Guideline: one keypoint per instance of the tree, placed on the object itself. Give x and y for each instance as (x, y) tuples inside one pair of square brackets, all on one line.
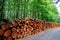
[(39, 9), (1, 9), (45, 10)]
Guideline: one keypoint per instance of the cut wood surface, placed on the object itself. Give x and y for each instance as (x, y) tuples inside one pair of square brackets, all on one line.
[(52, 34), (21, 28)]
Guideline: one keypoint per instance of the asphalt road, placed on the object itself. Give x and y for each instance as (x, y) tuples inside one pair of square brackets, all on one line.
[(53, 34)]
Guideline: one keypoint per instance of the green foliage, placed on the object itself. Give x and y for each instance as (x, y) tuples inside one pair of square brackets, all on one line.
[(39, 9), (45, 8)]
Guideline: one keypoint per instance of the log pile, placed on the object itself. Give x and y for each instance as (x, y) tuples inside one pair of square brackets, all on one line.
[(23, 27)]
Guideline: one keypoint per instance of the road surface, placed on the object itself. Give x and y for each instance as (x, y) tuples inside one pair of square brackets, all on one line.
[(53, 34)]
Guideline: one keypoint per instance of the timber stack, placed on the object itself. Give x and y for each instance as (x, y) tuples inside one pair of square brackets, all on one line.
[(23, 27)]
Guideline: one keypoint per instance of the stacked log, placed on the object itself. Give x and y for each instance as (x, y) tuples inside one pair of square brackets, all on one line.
[(23, 27)]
